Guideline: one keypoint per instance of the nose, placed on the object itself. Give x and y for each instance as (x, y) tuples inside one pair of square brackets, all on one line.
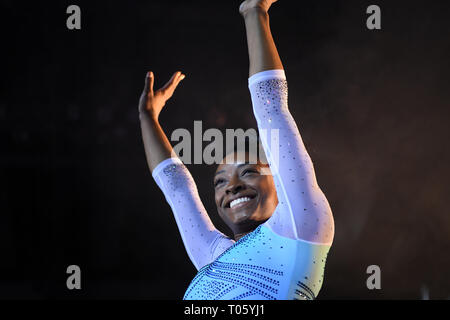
[(234, 186)]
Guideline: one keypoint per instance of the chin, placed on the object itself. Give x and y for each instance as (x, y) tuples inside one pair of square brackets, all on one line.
[(243, 217)]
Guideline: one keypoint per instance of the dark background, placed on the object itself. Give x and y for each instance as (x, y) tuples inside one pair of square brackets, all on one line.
[(372, 108)]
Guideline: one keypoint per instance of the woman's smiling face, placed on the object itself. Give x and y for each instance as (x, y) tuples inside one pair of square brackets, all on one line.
[(245, 194)]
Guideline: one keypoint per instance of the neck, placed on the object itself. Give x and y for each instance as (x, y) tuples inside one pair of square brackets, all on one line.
[(237, 236), (239, 232)]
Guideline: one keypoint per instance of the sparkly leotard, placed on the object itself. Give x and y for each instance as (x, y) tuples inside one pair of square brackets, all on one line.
[(283, 258)]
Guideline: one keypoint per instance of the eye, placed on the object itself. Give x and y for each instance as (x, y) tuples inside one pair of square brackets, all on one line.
[(218, 181), (249, 171)]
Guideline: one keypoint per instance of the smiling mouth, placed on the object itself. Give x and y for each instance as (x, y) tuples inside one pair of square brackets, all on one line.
[(240, 202)]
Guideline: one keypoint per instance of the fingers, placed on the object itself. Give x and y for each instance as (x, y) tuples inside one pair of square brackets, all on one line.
[(180, 77), (152, 80), (149, 81), (173, 82)]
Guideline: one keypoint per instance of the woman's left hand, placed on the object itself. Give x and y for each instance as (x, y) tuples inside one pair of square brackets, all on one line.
[(151, 102)]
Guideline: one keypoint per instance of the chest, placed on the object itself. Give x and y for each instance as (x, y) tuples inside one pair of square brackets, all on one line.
[(258, 267)]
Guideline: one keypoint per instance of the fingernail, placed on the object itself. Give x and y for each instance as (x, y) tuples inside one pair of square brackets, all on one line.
[(182, 77)]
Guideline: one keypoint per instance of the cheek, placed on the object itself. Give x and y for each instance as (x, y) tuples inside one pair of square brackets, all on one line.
[(267, 188), (217, 199)]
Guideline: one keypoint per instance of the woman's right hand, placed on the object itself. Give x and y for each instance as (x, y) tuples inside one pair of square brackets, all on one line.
[(152, 102)]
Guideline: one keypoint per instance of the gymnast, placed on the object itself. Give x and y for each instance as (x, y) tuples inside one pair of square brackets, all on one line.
[(282, 223)]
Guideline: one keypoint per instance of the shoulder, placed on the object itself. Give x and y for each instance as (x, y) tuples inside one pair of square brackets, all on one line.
[(220, 244)]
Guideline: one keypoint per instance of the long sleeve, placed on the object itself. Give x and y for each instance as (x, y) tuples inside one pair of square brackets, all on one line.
[(303, 211), (203, 242)]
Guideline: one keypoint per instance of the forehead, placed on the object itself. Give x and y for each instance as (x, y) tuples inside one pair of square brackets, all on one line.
[(224, 167), (237, 159)]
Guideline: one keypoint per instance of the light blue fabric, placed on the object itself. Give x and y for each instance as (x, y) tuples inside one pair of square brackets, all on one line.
[(262, 266)]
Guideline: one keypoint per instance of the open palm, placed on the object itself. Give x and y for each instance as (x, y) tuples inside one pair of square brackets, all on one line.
[(152, 102)]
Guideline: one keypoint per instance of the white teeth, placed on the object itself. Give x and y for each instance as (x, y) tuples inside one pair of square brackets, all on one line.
[(239, 200)]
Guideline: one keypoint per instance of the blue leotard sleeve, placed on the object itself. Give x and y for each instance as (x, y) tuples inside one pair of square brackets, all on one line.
[(203, 242), (303, 211)]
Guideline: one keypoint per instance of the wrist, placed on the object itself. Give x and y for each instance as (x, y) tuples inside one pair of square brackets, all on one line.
[(254, 12), (147, 116)]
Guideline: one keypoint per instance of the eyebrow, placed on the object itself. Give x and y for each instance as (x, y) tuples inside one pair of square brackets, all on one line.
[(239, 165)]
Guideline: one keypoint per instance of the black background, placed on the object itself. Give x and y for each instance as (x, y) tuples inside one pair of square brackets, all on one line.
[(372, 108)]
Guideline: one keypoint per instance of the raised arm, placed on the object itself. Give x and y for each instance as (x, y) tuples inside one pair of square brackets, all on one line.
[(303, 211), (157, 146), (203, 242)]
